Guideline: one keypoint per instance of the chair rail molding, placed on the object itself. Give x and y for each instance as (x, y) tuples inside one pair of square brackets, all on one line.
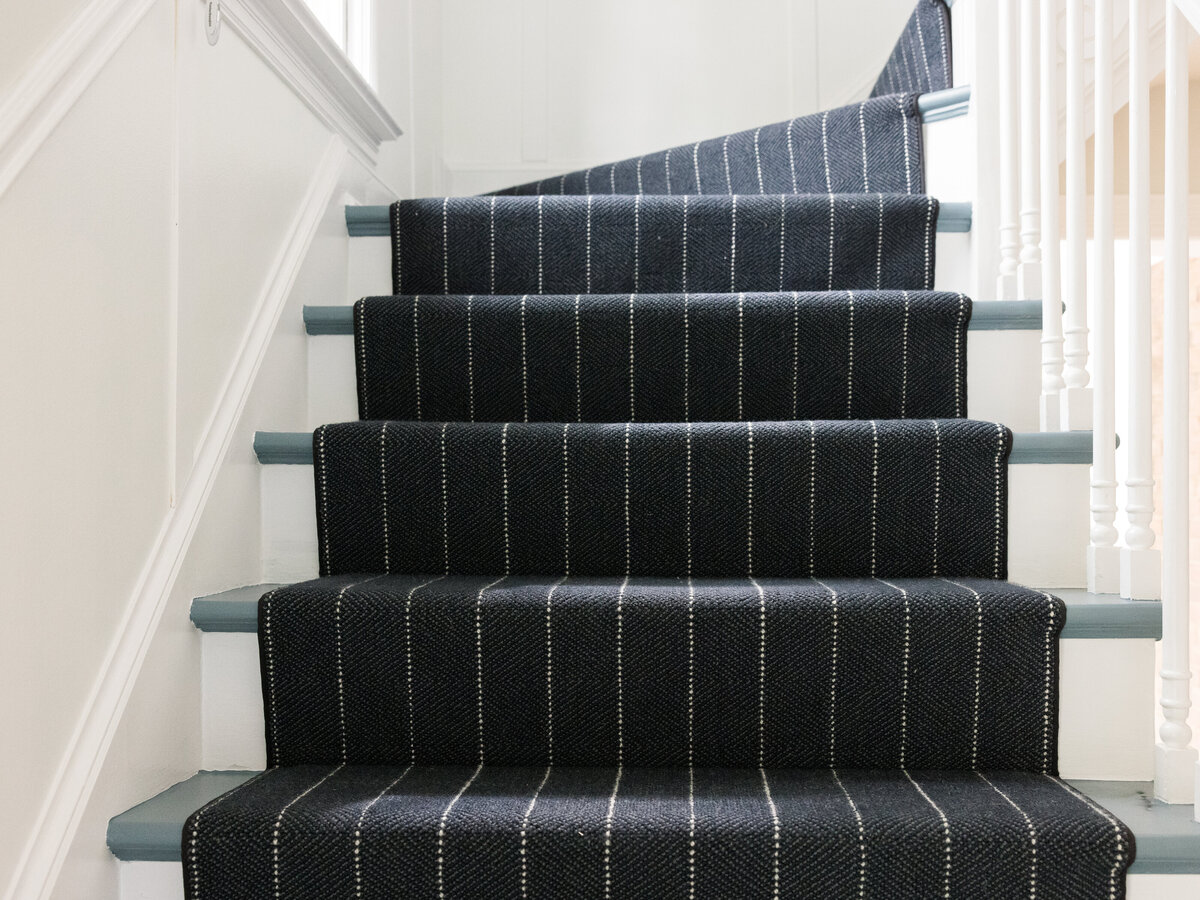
[(56, 80), (50, 839), (289, 38)]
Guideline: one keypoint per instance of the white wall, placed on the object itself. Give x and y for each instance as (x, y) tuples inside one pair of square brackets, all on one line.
[(537, 87), (135, 248)]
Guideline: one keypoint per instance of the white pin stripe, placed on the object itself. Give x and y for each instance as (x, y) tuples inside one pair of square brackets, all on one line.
[(782, 242), (504, 492), (947, 845), (470, 361), (791, 154), (742, 367), (774, 833), (525, 359), (978, 668), (408, 656), (632, 405), (728, 178), (589, 244), (541, 249), (269, 655), (833, 671), (441, 844), (341, 675), (492, 246), (1048, 684), (276, 832), (417, 351), (850, 356), (907, 152), (696, 166), (862, 129), (758, 161), (479, 658), (879, 249), (1033, 860), (566, 504), (525, 830), (904, 360), (733, 246), (862, 837), (874, 490), (903, 673), (358, 831), (937, 491)]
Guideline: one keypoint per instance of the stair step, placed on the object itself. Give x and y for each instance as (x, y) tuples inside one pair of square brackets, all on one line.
[(997, 315), (375, 221), (1089, 616), (1168, 841), (294, 448)]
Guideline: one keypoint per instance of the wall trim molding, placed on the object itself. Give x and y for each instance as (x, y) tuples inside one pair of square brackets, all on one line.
[(57, 78), (290, 40), (51, 837)]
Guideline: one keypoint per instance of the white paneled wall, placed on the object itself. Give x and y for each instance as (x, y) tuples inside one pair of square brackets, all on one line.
[(537, 87)]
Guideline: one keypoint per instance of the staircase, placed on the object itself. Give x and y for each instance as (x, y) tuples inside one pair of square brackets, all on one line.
[(665, 551)]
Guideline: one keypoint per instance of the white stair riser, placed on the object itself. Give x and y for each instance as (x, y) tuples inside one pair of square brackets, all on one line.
[(370, 265), (1047, 524), (1003, 378), (1112, 741)]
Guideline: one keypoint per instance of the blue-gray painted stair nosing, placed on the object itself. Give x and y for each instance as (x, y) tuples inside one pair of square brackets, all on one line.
[(294, 448), (372, 221), (1089, 616), (941, 105), (993, 315), (1168, 841), (152, 831)]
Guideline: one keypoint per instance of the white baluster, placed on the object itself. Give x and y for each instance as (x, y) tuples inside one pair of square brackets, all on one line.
[(1029, 275), (1075, 402), (1052, 337), (1139, 561), (1175, 769), (1104, 559), (1010, 159)]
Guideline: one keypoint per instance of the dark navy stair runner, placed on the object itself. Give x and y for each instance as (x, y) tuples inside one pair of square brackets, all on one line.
[(653, 244), (648, 574), (698, 357), (767, 498), (868, 147)]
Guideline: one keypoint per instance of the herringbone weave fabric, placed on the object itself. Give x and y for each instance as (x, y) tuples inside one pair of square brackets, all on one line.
[(653, 244), (663, 357), (921, 61), (801, 673), (714, 499), (868, 147), (470, 832)]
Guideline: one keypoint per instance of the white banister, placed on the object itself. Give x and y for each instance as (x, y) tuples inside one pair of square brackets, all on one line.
[(1175, 763), (1139, 561), (1010, 151), (1075, 401), (1052, 337), (1029, 274), (1103, 560)]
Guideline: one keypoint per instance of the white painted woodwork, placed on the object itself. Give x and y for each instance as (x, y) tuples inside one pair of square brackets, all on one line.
[(1103, 557), (1029, 275), (150, 880), (1162, 887), (232, 705), (1052, 318), (1140, 564), (1075, 401), (1010, 150), (1175, 771)]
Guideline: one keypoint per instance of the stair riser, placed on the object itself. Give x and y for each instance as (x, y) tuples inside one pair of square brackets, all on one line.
[(371, 260), (1115, 742), (1003, 378), (164, 881), (1047, 524)]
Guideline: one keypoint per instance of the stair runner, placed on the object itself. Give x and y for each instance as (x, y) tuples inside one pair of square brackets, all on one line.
[(628, 591)]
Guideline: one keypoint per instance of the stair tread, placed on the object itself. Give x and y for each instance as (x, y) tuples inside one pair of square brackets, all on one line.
[(1029, 448), (1089, 616), (375, 221), (1168, 841), (996, 315)]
